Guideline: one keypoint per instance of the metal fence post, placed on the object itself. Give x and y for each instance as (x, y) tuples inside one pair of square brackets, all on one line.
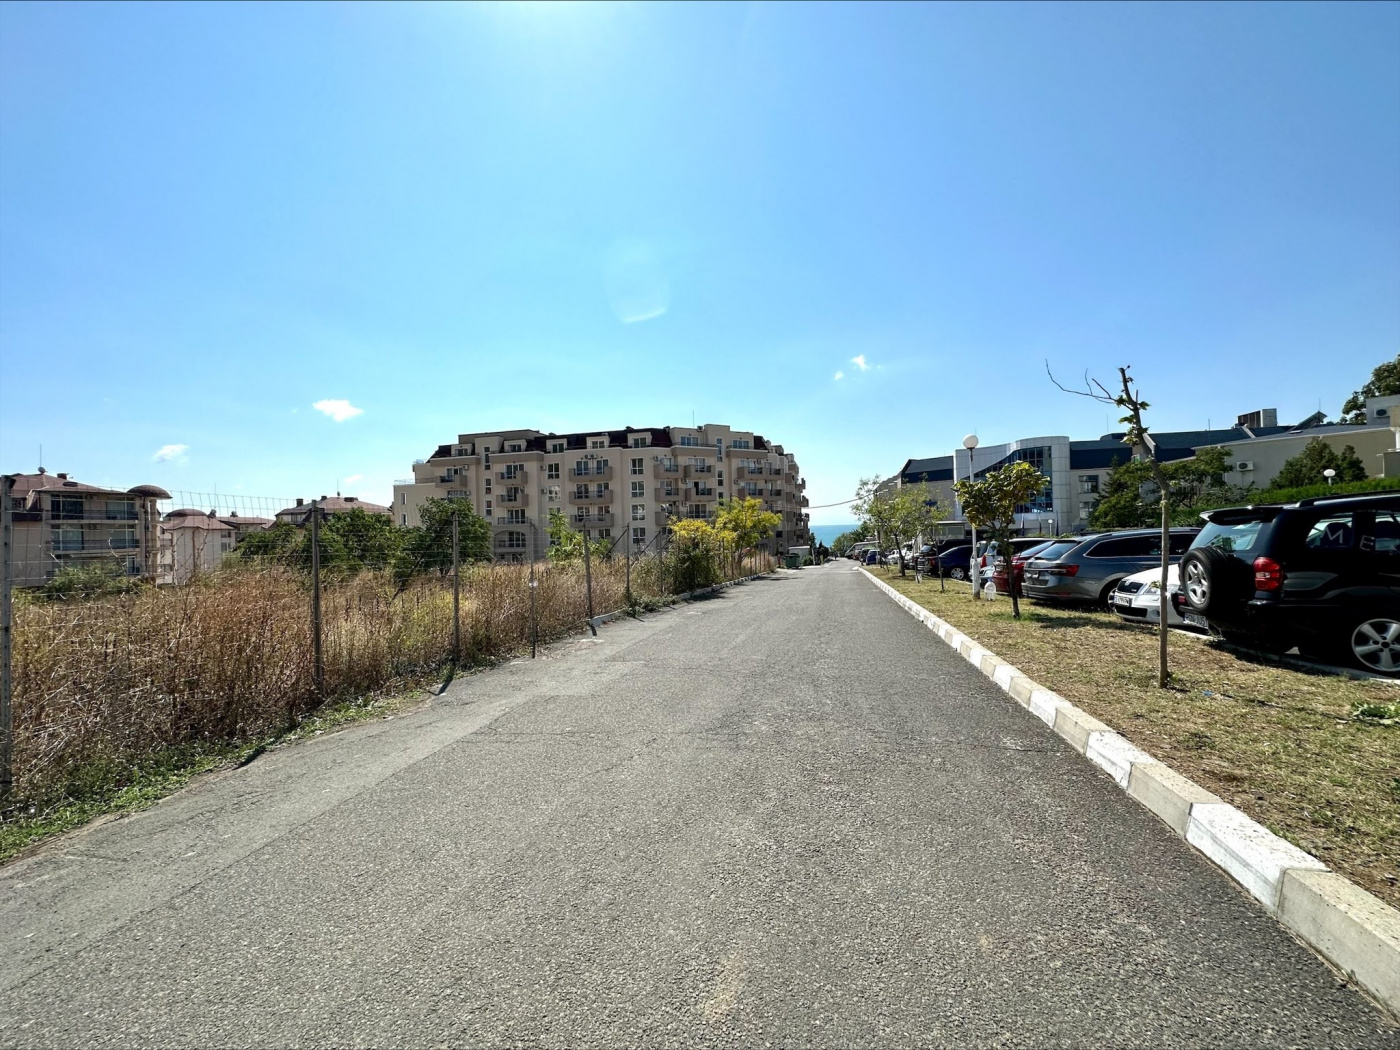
[(456, 599), (627, 535), (588, 580), (7, 728), (318, 671)]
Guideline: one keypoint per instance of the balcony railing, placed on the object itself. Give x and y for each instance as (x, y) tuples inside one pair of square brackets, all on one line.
[(590, 496), (507, 523), (92, 515), (662, 471), (665, 495), (601, 469), (520, 476), (692, 469), (592, 521), (519, 499)]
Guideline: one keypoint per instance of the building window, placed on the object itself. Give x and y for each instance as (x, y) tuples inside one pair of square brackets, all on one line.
[(65, 509), (403, 520), (639, 489), (512, 469), (639, 512), (1085, 510), (1089, 484), (639, 441), (605, 534), (553, 493), (556, 446), (638, 466), (689, 439), (740, 443), (597, 442), (639, 536), (551, 471), (67, 539), (515, 517), (600, 488), (515, 540), (581, 468), (517, 447)]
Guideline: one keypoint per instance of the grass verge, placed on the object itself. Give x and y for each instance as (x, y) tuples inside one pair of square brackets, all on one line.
[(111, 788), (1313, 756)]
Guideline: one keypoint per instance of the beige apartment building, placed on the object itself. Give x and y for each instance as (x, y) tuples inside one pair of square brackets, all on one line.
[(59, 522), (624, 485), (193, 542)]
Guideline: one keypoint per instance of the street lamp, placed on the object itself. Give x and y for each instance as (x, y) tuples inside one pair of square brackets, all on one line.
[(970, 443), (1329, 474)]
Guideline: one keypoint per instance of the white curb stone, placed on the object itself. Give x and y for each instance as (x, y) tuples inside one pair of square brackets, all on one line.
[(1168, 794), (1045, 705), (1358, 932), (1115, 756), (1003, 676), (1250, 852), (1078, 726)]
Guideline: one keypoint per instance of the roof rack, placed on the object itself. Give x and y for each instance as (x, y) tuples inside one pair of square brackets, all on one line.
[(1313, 501)]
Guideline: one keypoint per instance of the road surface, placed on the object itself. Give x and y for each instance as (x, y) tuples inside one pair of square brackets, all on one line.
[(786, 815)]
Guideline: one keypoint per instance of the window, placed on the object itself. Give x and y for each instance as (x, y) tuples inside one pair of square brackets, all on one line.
[(403, 498), (515, 517), (581, 490), (638, 465), (639, 512), (689, 439), (403, 519), (600, 488), (513, 470), (552, 493), (121, 510), (1334, 532), (556, 446), (639, 441), (517, 447), (1126, 547), (1089, 484), (639, 489), (1085, 510), (639, 536), (741, 443), (67, 539), (63, 508), (1384, 537), (581, 468), (605, 534), (515, 540), (122, 540), (597, 442), (551, 471), (488, 508), (512, 495)]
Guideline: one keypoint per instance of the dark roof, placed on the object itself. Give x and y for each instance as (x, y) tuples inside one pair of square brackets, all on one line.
[(45, 482), (930, 468), (334, 505)]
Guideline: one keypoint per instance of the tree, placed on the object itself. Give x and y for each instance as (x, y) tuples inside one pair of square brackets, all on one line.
[(1130, 498), (991, 503), (896, 514), (1130, 400), (429, 547), (1307, 466), (566, 542), (747, 521), (1384, 382), (695, 553)]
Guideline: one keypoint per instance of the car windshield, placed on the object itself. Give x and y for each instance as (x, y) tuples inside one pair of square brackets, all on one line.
[(1034, 552), (1235, 537), (1058, 549)]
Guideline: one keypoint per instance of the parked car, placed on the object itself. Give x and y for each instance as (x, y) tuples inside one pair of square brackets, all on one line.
[(988, 560), (1138, 597), (954, 562), (1322, 574), (1087, 568), (872, 557), (1018, 568)]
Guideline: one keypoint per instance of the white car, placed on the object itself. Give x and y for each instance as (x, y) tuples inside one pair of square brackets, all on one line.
[(1137, 597)]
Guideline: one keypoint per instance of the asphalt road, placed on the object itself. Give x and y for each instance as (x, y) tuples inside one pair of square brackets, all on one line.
[(787, 815)]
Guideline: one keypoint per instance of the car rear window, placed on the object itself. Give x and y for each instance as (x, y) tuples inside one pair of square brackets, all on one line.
[(1236, 537), (1057, 549), (1127, 547)]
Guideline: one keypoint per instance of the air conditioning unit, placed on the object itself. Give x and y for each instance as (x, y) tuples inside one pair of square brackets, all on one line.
[(1244, 464)]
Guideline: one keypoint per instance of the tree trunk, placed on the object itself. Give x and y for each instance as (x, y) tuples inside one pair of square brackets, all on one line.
[(1011, 581), (1163, 599)]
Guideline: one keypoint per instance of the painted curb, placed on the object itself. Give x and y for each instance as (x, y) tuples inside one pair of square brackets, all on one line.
[(1353, 930)]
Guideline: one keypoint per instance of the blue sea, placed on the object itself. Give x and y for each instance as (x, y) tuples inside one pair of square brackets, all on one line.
[(827, 533)]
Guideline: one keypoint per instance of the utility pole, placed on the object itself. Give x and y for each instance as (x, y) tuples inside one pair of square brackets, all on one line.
[(628, 549), (456, 599), (318, 675), (7, 726)]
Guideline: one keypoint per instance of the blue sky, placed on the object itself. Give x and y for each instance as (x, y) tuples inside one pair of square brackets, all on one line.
[(453, 218)]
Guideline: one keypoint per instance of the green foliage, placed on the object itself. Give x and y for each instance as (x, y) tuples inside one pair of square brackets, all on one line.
[(894, 515), (990, 504), (746, 521), (566, 542), (1307, 466), (1239, 496), (428, 548), (1131, 498), (695, 557), (1384, 382), (94, 579)]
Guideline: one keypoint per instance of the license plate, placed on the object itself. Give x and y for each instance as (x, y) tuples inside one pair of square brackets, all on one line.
[(1196, 620)]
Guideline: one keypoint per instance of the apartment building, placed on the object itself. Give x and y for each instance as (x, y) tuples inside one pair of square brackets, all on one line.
[(624, 485), (193, 542), (300, 512), (60, 522), (1256, 446)]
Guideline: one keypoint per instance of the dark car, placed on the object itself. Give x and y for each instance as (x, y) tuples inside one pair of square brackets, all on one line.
[(1087, 568), (954, 562), (1322, 574)]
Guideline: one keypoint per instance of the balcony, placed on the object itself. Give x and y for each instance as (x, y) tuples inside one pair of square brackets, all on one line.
[(591, 496), (520, 477), (663, 471), (694, 470), (592, 521), (517, 499), (665, 494), (506, 523), (92, 514), (602, 470), (662, 518)]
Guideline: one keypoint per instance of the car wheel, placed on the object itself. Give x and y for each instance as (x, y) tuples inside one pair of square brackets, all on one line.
[(1210, 579), (1375, 645), (1108, 590), (957, 574)]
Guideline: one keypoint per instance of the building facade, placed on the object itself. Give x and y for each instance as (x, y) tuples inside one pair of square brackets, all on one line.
[(1256, 447), (621, 485), (193, 542), (300, 512), (59, 522)]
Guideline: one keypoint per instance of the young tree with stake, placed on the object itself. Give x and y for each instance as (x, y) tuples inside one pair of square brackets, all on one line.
[(990, 504)]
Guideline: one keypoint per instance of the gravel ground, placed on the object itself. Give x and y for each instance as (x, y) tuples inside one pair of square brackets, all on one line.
[(786, 815)]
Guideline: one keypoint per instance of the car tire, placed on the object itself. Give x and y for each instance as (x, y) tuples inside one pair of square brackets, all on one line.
[(957, 573), (1211, 580), (1373, 644), (1109, 588)]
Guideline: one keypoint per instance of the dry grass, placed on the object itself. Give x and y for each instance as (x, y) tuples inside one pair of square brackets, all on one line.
[(1279, 743), (229, 659)]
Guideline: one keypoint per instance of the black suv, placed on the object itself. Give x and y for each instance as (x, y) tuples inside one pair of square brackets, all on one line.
[(1322, 574)]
